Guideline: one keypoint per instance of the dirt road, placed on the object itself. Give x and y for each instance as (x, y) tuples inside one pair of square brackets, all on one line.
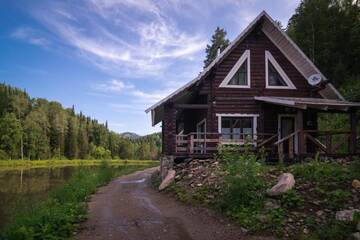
[(129, 209)]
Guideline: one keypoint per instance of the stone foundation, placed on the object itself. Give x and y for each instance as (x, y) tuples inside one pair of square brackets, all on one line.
[(166, 163)]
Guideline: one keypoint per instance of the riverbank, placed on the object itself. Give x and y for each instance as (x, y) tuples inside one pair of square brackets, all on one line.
[(19, 164), (59, 215)]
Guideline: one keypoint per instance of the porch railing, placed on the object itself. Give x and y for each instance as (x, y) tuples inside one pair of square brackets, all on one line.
[(299, 143), (203, 143)]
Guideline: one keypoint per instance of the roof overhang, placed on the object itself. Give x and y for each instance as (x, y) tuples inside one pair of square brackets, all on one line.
[(314, 103), (280, 39)]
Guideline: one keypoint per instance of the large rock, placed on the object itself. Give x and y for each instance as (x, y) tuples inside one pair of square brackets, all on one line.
[(356, 184), (356, 236), (346, 215), (168, 180), (286, 182)]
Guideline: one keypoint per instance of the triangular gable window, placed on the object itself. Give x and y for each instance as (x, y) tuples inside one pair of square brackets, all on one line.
[(275, 75), (239, 75)]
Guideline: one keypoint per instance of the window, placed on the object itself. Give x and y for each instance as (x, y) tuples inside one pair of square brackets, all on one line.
[(275, 76), (239, 75), (237, 127)]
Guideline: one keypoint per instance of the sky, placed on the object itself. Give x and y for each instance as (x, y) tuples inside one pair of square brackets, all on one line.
[(112, 59)]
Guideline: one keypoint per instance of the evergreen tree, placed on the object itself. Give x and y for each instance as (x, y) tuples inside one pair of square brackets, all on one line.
[(36, 140), (71, 139), (218, 41), (10, 135), (47, 130), (328, 31)]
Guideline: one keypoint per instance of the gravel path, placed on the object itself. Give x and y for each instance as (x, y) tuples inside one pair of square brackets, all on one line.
[(129, 209)]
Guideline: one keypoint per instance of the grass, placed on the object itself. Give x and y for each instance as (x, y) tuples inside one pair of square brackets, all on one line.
[(243, 196), (59, 216), (18, 164)]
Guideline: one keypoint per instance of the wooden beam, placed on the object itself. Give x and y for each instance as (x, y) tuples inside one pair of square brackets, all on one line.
[(300, 127), (192, 106), (353, 136)]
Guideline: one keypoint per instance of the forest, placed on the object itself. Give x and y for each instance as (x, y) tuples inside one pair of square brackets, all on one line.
[(35, 128), (328, 31)]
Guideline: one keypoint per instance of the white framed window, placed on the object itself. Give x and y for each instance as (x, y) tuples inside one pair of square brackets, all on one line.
[(239, 75), (275, 76), (236, 127)]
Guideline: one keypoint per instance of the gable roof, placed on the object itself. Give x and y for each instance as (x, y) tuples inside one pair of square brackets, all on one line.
[(290, 50)]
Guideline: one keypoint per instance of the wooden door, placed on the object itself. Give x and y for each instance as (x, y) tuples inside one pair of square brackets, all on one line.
[(287, 127)]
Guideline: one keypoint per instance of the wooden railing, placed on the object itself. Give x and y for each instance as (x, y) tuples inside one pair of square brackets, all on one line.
[(203, 143), (290, 140), (298, 143), (328, 142)]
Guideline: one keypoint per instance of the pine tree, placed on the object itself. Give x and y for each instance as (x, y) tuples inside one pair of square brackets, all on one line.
[(10, 135), (72, 138), (218, 40)]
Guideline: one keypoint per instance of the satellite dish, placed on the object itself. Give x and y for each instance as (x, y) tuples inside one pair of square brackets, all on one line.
[(314, 79)]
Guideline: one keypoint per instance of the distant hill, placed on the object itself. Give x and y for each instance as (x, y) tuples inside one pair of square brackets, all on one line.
[(130, 135)]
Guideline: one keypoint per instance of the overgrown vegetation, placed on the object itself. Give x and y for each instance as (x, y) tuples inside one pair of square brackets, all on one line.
[(305, 212), (59, 216), (34, 128)]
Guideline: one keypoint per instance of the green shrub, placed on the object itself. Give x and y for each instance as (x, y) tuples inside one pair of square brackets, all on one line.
[(337, 198), (244, 191), (291, 199), (320, 171)]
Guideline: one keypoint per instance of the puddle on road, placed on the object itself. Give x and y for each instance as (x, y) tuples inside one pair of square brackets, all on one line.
[(132, 181)]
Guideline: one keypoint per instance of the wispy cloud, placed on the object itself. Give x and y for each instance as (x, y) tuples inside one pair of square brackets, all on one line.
[(30, 35), (133, 95), (107, 34), (115, 86)]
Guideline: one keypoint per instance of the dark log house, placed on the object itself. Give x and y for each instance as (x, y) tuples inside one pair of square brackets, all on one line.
[(263, 90)]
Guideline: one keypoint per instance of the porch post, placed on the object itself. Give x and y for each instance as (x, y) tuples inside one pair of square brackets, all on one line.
[(353, 136), (301, 136), (169, 128)]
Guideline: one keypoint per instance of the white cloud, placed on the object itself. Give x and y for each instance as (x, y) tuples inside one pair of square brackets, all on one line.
[(109, 35), (113, 85), (30, 35)]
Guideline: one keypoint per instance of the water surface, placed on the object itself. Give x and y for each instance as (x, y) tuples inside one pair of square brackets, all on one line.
[(25, 188)]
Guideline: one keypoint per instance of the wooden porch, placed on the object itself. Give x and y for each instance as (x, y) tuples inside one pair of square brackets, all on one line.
[(296, 146)]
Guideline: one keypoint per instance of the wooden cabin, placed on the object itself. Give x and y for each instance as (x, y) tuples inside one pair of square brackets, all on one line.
[(261, 90)]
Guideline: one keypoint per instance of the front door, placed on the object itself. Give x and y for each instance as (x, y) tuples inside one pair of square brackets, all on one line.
[(287, 127), (201, 134)]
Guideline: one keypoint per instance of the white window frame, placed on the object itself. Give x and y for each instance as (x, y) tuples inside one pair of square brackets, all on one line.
[(225, 83), (288, 82), (254, 117)]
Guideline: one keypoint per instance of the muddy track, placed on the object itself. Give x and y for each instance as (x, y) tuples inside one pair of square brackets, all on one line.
[(129, 209)]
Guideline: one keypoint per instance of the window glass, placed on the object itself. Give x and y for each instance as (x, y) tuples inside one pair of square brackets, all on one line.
[(236, 127), (274, 77), (225, 128), (240, 77)]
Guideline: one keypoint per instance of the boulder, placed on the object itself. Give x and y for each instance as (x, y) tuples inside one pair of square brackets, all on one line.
[(346, 215), (356, 236), (170, 177), (356, 184), (286, 182)]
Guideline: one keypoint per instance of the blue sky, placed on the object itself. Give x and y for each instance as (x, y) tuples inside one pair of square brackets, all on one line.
[(114, 58)]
